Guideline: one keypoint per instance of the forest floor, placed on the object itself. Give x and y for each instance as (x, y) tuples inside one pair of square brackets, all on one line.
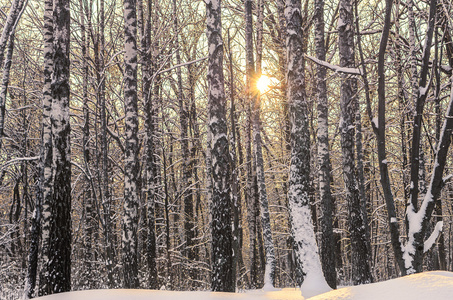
[(437, 285)]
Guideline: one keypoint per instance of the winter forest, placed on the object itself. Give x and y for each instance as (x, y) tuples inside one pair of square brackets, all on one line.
[(223, 145)]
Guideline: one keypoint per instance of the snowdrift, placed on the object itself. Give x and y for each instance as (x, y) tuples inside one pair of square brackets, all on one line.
[(436, 285)]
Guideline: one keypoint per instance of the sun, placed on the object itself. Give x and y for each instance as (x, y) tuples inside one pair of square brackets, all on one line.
[(263, 84)]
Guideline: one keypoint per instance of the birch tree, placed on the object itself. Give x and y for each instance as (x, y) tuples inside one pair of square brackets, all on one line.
[(222, 243), (130, 217), (46, 152), (59, 236), (327, 252), (299, 174)]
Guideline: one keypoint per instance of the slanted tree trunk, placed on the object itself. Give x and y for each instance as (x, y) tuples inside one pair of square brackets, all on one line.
[(327, 250), (130, 218), (9, 28), (299, 176), (359, 251), (222, 242)]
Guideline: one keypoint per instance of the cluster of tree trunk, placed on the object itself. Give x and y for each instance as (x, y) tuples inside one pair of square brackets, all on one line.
[(136, 150)]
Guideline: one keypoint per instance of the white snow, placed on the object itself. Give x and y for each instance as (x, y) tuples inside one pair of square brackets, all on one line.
[(284, 294), (376, 122), (433, 237), (429, 285)]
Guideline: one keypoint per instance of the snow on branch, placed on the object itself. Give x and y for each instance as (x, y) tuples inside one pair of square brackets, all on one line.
[(433, 237), (337, 69), (447, 178), (16, 160)]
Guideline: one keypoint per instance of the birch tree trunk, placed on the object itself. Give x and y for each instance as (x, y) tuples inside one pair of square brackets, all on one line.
[(60, 229), (222, 242), (299, 176), (130, 217), (359, 250), (327, 250), (235, 179), (9, 28), (251, 171), (46, 154)]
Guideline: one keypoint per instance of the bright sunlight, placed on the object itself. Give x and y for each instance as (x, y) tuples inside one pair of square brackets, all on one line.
[(263, 84)]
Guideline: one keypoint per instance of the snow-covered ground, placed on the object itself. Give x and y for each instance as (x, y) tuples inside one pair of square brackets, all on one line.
[(436, 285)]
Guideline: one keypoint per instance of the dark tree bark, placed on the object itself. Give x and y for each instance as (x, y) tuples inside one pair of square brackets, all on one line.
[(251, 171), (348, 127), (222, 242), (148, 68), (59, 264), (130, 219), (327, 250)]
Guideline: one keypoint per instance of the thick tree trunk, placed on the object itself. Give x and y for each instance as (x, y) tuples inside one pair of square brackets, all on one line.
[(222, 242), (60, 229), (299, 176), (327, 252), (359, 250), (130, 218)]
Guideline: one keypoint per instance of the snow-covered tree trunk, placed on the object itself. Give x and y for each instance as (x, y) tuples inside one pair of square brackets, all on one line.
[(60, 229), (299, 176), (35, 233), (14, 14), (251, 170), (5, 82), (222, 242), (359, 250), (9, 28), (46, 154), (421, 95), (414, 249), (269, 272), (235, 179), (327, 251), (130, 217)]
